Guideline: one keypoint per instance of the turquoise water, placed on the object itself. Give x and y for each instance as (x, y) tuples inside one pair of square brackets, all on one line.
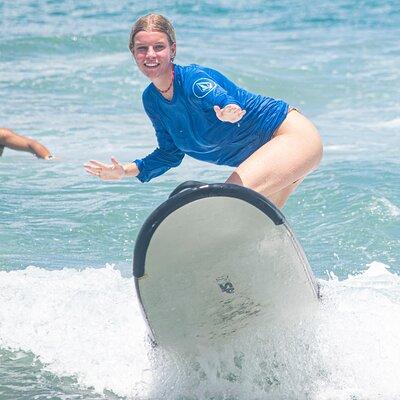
[(69, 325)]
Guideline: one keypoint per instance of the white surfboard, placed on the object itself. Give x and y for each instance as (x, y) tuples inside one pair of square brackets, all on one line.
[(215, 259)]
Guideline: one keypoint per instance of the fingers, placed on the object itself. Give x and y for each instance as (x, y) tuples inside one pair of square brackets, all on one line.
[(95, 168), (219, 113), (230, 113), (112, 171), (116, 162), (97, 163), (92, 172), (233, 109), (217, 110)]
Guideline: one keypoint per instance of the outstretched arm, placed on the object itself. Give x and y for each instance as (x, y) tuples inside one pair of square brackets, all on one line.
[(10, 139)]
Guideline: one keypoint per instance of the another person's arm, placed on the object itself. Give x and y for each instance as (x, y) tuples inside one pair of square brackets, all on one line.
[(12, 140)]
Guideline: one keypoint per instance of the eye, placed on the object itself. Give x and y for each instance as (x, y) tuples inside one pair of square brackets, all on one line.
[(159, 47), (141, 49)]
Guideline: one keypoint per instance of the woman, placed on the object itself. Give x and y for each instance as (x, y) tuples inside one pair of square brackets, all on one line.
[(199, 112)]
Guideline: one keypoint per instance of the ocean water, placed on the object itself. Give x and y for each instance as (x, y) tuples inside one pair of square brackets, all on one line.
[(70, 327)]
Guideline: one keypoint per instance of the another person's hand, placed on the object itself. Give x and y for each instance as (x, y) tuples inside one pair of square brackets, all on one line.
[(230, 113), (106, 172)]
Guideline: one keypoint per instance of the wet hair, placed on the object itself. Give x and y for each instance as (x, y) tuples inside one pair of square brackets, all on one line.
[(150, 23)]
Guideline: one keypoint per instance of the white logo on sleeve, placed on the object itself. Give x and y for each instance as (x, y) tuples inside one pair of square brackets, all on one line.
[(203, 86)]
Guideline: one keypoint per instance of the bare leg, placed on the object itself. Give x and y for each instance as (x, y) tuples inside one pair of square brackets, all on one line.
[(279, 198), (278, 167)]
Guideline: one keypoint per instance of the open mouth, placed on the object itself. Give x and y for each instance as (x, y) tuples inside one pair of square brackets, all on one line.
[(151, 65)]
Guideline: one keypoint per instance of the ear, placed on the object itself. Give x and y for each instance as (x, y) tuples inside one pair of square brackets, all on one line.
[(173, 51)]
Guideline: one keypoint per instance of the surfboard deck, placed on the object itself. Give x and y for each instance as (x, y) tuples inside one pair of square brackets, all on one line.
[(215, 259)]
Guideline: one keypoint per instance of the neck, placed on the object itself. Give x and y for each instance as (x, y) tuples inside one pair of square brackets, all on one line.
[(164, 84)]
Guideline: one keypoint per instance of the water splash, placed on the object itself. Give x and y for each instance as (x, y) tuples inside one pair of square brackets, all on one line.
[(83, 323), (87, 324)]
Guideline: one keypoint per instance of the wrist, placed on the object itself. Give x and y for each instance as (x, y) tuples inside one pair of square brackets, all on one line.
[(130, 169)]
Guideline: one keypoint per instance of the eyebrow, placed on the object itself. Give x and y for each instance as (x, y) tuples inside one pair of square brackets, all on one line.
[(145, 44)]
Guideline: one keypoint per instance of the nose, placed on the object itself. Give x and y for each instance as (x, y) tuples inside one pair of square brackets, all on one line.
[(151, 52)]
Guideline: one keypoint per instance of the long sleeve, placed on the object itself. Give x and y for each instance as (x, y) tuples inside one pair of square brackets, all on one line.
[(164, 157), (204, 89)]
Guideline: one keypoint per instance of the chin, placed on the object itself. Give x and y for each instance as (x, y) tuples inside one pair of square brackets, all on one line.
[(151, 74)]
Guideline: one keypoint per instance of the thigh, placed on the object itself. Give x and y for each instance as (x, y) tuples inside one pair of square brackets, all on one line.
[(294, 150)]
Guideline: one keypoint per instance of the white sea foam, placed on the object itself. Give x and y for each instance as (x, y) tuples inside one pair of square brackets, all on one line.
[(392, 208), (358, 335), (87, 323), (84, 323), (382, 205), (393, 123), (342, 148)]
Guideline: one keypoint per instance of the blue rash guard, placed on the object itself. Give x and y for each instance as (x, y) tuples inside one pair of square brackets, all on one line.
[(187, 124)]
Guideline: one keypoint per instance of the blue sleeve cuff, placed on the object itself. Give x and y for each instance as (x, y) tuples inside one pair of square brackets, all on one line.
[(230, 100), (140, 165)]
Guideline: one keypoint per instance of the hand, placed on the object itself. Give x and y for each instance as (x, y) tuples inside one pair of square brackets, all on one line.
[(107, 172), (230, 113)]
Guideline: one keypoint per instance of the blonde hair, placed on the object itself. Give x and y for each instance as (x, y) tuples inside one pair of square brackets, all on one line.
[(149, 23)]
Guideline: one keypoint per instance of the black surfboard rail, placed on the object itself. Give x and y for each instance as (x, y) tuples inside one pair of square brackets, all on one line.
[(186, 193)]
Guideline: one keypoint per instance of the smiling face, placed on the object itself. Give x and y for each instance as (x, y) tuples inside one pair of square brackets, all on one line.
[(153, 54)]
